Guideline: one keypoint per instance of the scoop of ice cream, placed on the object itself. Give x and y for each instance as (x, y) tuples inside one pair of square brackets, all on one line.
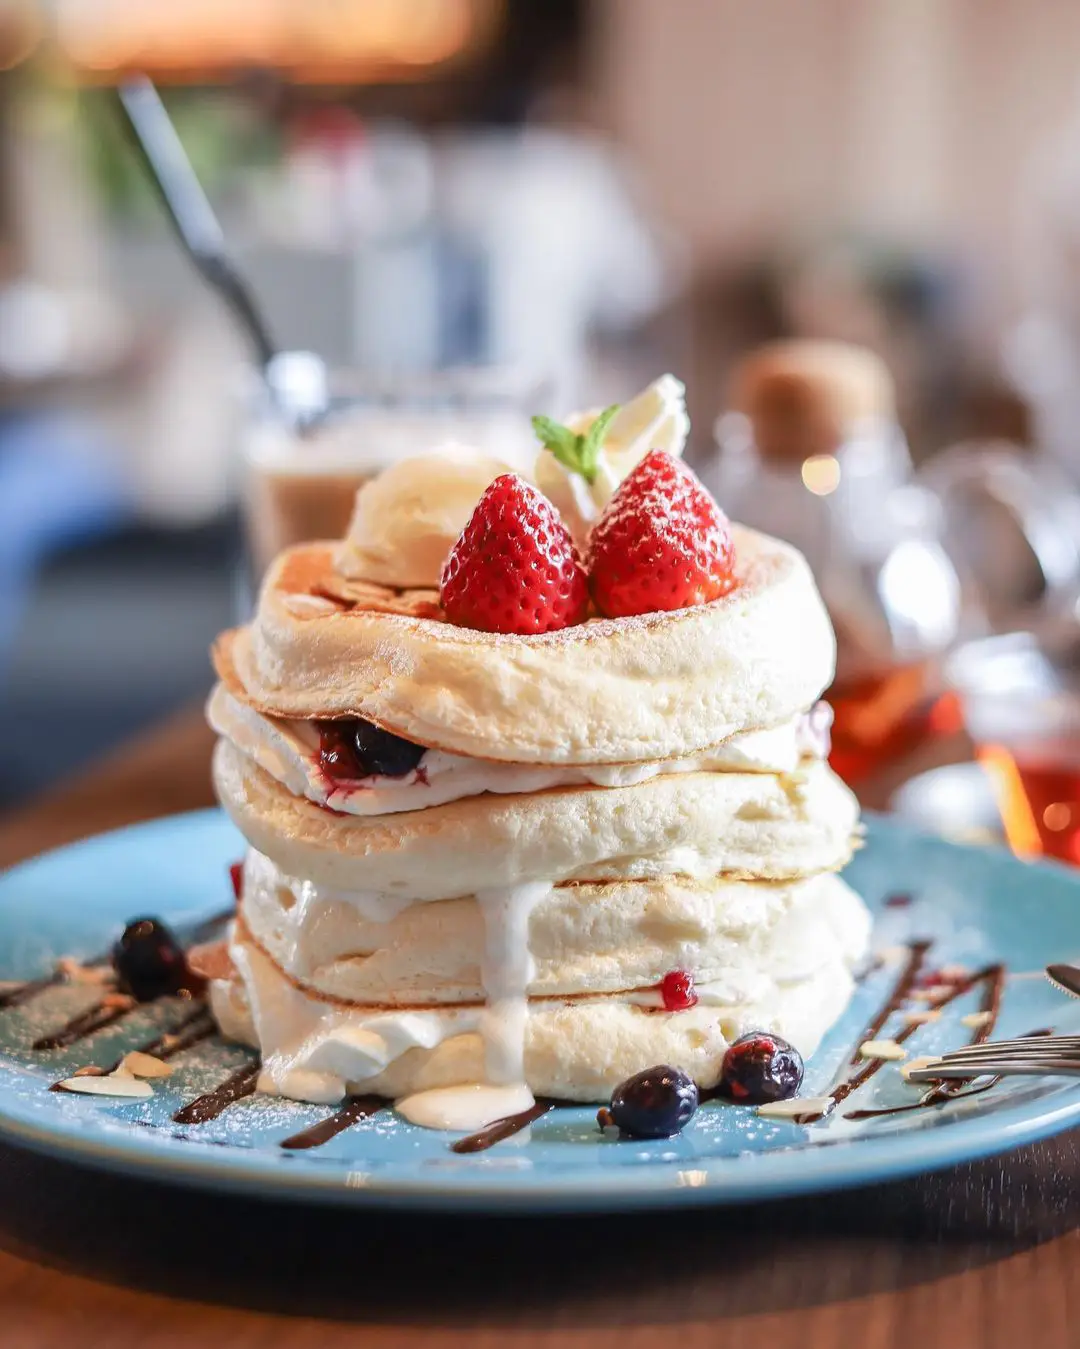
[(655, 420), (408, 518)]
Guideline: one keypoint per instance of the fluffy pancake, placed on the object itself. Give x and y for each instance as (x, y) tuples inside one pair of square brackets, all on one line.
[(740, 938), (696, 824), (319, 1049), (606, 691)]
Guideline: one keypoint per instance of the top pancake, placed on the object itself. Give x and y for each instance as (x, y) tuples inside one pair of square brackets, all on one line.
[(605, 691)]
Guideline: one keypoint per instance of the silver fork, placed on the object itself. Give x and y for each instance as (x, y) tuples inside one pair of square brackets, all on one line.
[(1065, 978), (1028, 1056), (1032, 1056)]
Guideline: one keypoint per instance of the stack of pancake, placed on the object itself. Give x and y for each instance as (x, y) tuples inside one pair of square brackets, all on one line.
[(600, 848)]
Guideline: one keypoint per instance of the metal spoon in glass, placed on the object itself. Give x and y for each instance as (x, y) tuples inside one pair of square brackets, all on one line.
[(296, 381)]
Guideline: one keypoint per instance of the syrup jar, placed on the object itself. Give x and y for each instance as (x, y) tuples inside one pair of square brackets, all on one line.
[(811, 451)]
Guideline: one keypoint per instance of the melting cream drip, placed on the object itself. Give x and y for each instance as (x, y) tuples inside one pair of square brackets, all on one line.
[(506, 971)]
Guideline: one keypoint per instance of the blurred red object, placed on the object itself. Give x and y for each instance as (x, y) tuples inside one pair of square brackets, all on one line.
[(881, 719)]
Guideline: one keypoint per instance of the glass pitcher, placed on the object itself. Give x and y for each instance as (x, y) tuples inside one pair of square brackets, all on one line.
[(811, 451)]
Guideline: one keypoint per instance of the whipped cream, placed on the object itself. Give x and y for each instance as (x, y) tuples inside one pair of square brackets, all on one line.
[(317, 1050), (408, 518), (314, 1050), (289, 752), (463, 1109), (655, 420)]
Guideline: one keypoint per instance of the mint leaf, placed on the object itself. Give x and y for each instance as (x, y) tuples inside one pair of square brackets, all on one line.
[(566, 445), (579, 453), (594, 440), (554, 437)]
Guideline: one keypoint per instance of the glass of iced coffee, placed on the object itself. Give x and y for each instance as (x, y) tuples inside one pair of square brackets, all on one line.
[(299, 477)]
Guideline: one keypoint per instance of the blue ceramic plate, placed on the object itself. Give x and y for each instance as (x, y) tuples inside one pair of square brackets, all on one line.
[(977, 906)]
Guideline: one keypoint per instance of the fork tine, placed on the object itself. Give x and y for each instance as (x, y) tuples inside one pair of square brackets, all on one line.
[(934, 1072), (1005, 1055), (1049, 1043)]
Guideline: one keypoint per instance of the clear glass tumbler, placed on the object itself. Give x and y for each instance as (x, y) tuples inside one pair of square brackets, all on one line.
[(296, 486)]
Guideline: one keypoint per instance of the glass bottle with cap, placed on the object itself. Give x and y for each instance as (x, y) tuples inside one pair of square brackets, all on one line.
[(811, 451)]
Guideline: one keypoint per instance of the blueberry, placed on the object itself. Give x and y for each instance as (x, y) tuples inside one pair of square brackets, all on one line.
[(388, 755), (656, 1103), (150, 962), (760, 1067)]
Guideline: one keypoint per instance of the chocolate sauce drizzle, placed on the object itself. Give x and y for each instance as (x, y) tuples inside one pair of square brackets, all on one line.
[(990, 977), (945, 1091), (211, 1104), (198, 1025), (190, 1030), (15, 997), (104, 1013), (901, 992), (355, 1108), (502, 1128)]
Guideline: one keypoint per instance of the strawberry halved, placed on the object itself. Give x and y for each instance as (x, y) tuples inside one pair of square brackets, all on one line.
[(515, 568), (662, 543)]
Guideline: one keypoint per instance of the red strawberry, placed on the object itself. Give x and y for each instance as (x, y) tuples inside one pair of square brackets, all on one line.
[(515, 567), (662, 543)]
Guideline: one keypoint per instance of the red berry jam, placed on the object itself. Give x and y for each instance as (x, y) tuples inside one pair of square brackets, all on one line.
[(352, 750), (236, 875), (337, 751), (677, 990)]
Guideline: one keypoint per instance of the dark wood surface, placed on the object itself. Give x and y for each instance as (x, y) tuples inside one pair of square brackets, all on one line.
[(982, 1255)]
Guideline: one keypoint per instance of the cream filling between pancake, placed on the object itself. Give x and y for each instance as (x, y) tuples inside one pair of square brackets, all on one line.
[(289, 752)]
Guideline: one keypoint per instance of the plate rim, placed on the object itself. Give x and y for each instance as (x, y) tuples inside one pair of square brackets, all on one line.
[(778, 1174)]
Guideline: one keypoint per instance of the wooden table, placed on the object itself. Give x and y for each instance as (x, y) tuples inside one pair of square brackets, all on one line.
[(984, 1255)]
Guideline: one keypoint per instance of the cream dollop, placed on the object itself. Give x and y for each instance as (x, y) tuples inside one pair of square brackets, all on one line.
[(655, 420), (408, 518)]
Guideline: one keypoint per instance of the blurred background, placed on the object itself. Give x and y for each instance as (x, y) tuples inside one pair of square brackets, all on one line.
[(576, 195)]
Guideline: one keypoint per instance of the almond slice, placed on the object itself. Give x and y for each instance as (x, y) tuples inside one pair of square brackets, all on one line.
[(115, 1084), (138, 1064), (795, 1106), (882, 1049), (907, 1069)]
